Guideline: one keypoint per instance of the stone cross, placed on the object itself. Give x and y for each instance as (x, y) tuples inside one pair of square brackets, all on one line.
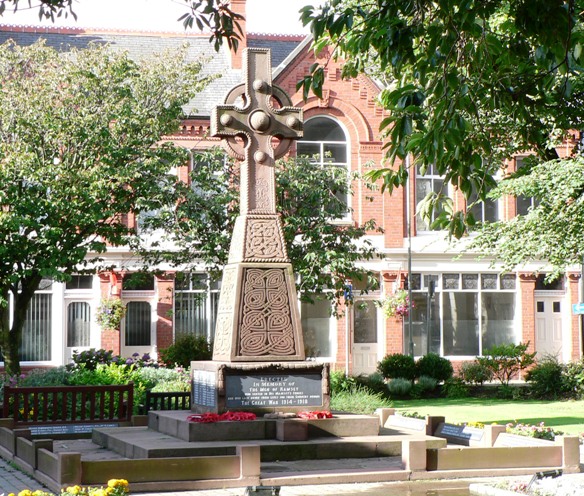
[(257, 121), (257, 317)]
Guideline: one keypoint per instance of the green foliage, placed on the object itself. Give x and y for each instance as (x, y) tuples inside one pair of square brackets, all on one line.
[(475, 373), (397, 365), (506, 360), (396, 304), (339, 381), (325, 254), (557, 188), (546, 379), (435, 366), (455, 388), (90, 359), (358, 400), (80, 147), (425, 386), (374, 382), (467, 84), (574, 379), (399, 387), (185, 349)]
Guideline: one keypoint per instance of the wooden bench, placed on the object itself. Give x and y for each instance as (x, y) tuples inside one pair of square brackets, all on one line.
[(176, 400), (65, 405)]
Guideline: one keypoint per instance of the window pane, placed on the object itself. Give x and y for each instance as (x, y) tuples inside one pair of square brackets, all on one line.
[(138, 323), (556, 307), (36, 333), (450, 281), (470, 281), (461, 324), (335, 153), (190, 314), (78, 324), (416, 281), (80, 282), (489, 281), (508, 281), (310, 150), (323, 129), (316, 326), (540, 306), (498, 312), (426, 326), (365, 314), (138, 282)]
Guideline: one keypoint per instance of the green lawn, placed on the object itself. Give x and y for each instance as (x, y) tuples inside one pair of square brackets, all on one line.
[(566, 416)]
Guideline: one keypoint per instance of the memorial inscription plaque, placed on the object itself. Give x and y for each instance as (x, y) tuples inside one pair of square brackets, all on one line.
[(277, 390)]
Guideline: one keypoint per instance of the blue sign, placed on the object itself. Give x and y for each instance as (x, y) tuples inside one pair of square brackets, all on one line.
[(578, 308)]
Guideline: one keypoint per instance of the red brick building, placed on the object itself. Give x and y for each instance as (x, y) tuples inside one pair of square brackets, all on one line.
[(462, 306)]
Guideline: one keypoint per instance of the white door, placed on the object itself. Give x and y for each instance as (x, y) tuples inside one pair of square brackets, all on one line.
[(365, 337), (138, 329), (79, 322), (548, 326)]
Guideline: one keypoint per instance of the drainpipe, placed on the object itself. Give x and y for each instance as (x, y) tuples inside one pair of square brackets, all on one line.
[(409, 228)]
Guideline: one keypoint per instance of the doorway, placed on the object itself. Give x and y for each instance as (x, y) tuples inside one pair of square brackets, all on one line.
[(138, 329), (548, 325), (365, 337)]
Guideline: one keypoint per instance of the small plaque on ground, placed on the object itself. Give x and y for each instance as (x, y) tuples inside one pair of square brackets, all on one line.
[(204, 391), (507, 440), (459, 433), (411, 423), (273, 390), (58, 429)]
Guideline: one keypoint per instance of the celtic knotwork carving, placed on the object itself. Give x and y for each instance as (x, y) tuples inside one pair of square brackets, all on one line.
[(227, 296), (222, 339), (263, 240), (266, 322)]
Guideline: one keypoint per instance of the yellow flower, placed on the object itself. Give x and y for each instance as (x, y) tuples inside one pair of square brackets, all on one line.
[(117, 483), (99, 492), (25, 492), (73, 490), (11, 494)]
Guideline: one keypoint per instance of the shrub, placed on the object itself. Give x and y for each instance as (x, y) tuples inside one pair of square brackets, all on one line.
[(339, 381), (546, 379), (475, 373), (358, 400), (424, 386), (506, 360), (435, 366), (574, 379), (400, 386), (455, 388), (374, 382), (397, 365), (90, 359), (186, 349)]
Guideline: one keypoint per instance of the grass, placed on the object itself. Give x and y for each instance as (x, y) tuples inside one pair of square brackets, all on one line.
[(566, 416)]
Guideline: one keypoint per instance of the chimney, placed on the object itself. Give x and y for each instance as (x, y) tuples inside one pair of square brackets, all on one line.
[(238, 6)]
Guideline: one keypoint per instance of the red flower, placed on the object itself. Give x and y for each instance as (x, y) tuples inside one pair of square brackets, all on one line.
[(315, 415), (227, 416)]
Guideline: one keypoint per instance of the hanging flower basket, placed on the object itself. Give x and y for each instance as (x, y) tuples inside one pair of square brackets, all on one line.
[(110, 313), (397, 304)]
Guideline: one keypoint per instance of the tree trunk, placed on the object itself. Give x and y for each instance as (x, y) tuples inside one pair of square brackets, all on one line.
[(11, 336)]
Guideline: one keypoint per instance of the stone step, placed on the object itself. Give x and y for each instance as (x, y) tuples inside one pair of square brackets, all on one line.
[(142, 442), (174, 423)]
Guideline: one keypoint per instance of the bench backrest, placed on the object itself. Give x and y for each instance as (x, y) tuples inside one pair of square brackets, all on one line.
[(68, 404), (167, 401)]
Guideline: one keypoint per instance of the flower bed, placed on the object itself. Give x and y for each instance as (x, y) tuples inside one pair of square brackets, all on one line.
[(115, 487)]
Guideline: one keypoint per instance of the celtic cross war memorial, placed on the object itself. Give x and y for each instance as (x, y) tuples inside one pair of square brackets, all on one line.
[(258, 351)]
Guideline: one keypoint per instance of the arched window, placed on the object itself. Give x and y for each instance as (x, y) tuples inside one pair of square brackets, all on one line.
[(325, 143)]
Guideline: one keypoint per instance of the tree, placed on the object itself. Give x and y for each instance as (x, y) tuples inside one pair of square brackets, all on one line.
[(467, 83), (551, 232), (324, 251), (79, 149), (212, 15)]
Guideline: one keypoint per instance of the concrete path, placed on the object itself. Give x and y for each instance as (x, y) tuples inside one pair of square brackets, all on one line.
[(13, 480)]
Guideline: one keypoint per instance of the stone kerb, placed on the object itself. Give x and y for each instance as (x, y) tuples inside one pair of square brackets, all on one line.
[(26, 456), (56, 470), (390, 420)]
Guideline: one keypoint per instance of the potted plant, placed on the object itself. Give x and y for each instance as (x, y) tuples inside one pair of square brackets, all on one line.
[(110, 313), (397, 304)]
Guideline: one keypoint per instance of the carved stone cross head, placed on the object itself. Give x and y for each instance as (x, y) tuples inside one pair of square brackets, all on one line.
[(257, 121)]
